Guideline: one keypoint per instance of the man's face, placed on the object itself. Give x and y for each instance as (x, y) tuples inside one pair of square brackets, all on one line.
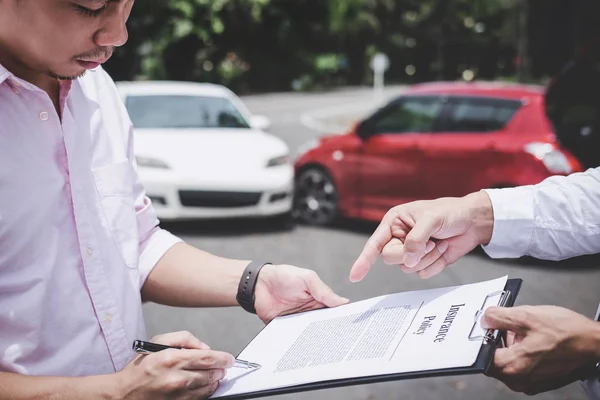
[(62, 38)]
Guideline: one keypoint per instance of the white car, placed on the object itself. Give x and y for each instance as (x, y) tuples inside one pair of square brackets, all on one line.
[(202, 155)]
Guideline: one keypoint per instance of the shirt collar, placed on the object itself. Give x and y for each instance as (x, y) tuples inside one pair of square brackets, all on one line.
[(4, 74), (12, 80)]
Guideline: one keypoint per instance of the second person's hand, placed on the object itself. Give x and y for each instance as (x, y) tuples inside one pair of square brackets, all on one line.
[(547, 347), (427, 236)]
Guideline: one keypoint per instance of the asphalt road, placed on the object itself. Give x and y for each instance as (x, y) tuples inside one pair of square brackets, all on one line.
[(331, 252)]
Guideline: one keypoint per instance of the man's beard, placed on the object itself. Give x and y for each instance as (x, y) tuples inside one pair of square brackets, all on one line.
[(67, 78)]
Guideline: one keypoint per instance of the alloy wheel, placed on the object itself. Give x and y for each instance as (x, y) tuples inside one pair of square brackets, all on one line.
[(316, 198)]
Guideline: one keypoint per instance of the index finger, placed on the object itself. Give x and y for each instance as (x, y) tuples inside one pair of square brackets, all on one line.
[(206, 359), (372, 250)]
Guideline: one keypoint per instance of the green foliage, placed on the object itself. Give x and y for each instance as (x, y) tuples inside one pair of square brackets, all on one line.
[(259, 45)]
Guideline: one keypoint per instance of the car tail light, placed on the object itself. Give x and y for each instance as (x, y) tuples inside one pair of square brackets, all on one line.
[(554, 160)]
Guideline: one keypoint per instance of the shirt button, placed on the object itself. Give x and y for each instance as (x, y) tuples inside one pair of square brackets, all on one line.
[(88, 251), (44, 116), (107, 317)]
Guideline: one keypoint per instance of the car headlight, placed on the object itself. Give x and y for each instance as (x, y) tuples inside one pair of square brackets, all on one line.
[(554, 160), (277, 161), (150, 162)]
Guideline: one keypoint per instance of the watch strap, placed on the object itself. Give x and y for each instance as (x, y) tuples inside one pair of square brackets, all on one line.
[(247, 285)]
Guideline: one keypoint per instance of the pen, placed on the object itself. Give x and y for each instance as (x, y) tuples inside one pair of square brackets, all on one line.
[(143, 347)]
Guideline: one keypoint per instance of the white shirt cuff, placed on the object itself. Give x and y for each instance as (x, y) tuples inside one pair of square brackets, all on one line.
[(154, 248), (513, 222)]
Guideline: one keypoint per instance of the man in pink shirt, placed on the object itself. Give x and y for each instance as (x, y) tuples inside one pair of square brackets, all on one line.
[(80, 245)]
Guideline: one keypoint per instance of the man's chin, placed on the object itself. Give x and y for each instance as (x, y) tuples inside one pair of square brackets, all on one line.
[(65, 77)]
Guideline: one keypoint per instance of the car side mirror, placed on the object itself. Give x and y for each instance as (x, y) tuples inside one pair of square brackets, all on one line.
[(260, 122), (363, 130)]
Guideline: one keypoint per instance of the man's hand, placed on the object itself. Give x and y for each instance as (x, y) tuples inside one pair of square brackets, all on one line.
[(191, 373), (427, 236), (548, 347), (284, 289)]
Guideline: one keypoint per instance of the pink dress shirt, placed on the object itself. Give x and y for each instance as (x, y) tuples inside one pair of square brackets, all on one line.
[(78, 236)]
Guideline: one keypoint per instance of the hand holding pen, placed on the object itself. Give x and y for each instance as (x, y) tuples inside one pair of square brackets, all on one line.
[(142, 347), (191, 371)]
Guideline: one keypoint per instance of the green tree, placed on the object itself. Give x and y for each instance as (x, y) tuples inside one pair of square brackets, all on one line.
[(266, 45)]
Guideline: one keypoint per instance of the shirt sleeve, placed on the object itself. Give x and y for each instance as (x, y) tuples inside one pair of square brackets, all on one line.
[(153, 240), (556, 219)]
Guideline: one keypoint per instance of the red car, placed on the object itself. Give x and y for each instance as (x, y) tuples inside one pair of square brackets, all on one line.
[(434, 140)]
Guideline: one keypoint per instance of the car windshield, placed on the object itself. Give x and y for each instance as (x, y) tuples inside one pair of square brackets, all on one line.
[(183, 111)]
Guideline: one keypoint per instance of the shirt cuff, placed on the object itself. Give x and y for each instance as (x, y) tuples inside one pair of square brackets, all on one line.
[(154, 248), (513, 221)]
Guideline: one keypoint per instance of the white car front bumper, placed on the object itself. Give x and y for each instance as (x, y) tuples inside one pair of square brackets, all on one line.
[(182, 199)]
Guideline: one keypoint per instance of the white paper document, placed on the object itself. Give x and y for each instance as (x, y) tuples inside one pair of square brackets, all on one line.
[(403, 332)]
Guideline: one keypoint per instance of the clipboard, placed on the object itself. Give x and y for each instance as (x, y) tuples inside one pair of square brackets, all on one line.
[(482, 364)]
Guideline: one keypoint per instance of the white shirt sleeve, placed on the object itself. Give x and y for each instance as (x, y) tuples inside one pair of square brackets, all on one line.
[(556, 219)]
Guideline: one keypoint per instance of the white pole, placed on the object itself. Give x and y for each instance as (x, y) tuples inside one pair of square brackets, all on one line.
[(377, 83), (379, 64)]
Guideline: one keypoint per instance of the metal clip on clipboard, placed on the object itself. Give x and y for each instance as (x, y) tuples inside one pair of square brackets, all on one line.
[(491, 334)]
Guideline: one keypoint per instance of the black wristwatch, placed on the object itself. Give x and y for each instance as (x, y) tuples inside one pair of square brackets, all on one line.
[(247, 285)]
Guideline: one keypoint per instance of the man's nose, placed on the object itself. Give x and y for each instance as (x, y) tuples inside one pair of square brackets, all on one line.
[(114, 31)]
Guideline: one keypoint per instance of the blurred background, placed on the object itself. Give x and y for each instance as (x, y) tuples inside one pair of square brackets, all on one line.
[(255, 46), (284, 129)]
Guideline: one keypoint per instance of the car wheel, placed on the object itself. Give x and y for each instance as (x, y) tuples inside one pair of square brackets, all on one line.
[(315, 198)]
